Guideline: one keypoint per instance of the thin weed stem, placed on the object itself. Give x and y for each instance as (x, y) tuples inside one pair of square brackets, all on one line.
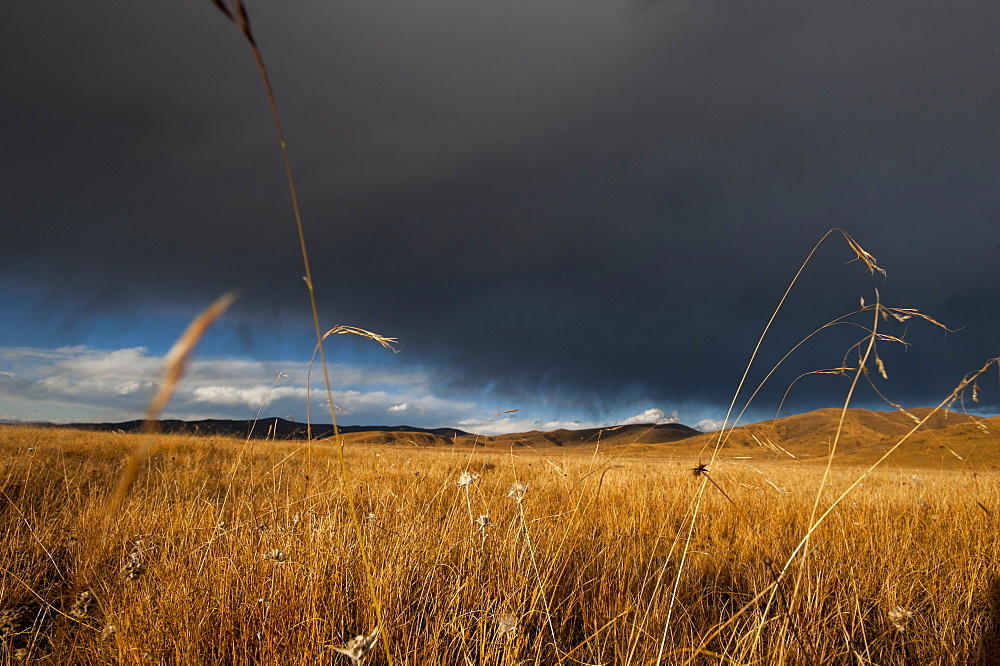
[(238, 15)]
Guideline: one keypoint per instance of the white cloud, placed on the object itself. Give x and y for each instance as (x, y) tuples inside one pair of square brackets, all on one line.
[(232, 395), (84, 384), (130, 387), (708, 425), (651, 415), (494, 427), (562, 425)]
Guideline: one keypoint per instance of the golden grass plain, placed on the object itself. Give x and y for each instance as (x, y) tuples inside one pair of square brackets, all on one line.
[(221, 551), (243, 552)]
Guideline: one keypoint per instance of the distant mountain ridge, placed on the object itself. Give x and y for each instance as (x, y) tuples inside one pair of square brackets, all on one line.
[(283, 429), (276, 428), (945, 437)]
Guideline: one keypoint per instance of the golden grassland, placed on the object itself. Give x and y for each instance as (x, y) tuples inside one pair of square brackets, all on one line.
[(232, 552), (220, 551)]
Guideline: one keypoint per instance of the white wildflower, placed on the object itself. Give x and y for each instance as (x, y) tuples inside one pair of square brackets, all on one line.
[(900, 616), (517, 491), (507, 625), (358, 647), (466, 478)]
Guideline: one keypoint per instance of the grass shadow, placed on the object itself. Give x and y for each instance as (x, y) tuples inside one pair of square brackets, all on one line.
[(988, 650)]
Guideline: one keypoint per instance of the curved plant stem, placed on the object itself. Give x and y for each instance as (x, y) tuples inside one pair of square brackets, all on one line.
[(238, 15)]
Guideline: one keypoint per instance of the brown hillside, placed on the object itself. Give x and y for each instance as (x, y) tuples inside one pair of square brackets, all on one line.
[(606, 437), (396, 438), (947, 439), (865, 434), (959, 441), (612, 436)]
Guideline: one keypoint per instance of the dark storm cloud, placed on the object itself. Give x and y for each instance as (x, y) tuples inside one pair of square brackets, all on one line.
[(586, 201)]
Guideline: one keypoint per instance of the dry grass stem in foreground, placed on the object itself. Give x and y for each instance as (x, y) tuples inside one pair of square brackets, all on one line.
[(236, 12), (175, 364)]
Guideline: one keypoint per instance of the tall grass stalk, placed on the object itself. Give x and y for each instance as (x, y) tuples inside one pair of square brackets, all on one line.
[(727, 426), (238, 15)]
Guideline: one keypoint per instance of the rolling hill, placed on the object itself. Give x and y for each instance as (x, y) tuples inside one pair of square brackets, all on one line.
[(865, 436), (946, 437)]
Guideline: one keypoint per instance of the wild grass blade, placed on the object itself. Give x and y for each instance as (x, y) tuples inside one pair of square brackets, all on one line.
[(175, 363)]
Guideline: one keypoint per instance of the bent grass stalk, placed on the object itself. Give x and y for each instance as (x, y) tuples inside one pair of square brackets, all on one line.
[(723, 434), (868, 343), (862, 370), (803, 545), (175, 364), (815, 523), (860, 254), (952, 397)]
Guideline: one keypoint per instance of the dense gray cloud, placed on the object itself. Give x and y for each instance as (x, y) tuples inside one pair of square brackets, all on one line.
[(582, 202)]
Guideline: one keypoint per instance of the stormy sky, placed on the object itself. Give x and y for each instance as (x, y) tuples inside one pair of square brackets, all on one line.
[(583, 210)]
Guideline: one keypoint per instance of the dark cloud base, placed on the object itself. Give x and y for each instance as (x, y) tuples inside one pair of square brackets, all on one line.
[(577, 205)]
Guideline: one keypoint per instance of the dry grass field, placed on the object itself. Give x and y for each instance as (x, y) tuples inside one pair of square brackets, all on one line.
[(620, 550), (232, 552)]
